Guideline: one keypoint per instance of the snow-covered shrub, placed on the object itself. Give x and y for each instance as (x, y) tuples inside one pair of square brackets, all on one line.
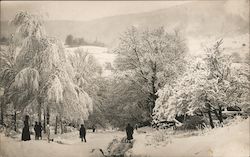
[(237, 119), (1, 128), (161, 135), (10, 133), (193, 123), (204, 129)]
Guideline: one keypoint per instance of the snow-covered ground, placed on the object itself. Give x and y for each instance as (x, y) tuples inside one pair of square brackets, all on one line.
[(100, 53), (238, 44), (229, 141), (66, 145)]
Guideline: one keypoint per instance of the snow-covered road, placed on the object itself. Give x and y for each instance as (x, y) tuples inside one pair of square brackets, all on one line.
[(67, 145)]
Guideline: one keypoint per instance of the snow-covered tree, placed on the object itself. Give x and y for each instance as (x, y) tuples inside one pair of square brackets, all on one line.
[(88, 77), (125, 102), (45, 78), (87, 70), (69, 40), (208, 85), (8, 71), (150, 58)]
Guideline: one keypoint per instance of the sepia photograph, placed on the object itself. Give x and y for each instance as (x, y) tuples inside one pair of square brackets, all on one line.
[(166, 78)]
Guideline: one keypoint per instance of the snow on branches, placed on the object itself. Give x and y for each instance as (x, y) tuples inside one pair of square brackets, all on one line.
[(211, 79), (55, 92), (27, 78), (28, 25), (181, 97), (44, 70), (150, 59)]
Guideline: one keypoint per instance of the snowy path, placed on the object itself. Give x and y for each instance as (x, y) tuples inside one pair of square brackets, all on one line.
[(71, 147)]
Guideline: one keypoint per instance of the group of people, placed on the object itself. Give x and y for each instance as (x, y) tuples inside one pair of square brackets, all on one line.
[(82, 132), (38, 130)]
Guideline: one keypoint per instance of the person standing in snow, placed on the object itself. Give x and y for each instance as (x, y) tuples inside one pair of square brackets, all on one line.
[(40, 128), (136, 126), (26, 131), (48, 133), (36, 131), (93, 128), (129, 131), (82, 133)]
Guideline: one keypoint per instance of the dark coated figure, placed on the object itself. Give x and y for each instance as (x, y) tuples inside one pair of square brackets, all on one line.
[(129, 131), (26, 131), (40, 128), (36, 131), (93, 128), (82, 133)]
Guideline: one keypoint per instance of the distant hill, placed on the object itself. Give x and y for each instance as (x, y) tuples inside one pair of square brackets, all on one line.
[(100, 53), (195, 19)]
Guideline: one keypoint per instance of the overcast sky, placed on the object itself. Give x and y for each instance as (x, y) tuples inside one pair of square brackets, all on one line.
[(81, 10)]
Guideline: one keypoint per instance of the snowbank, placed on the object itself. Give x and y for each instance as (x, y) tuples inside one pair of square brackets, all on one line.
[(229, 141)]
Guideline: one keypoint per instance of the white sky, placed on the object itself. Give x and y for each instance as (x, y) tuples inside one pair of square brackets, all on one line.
[(81, 10)]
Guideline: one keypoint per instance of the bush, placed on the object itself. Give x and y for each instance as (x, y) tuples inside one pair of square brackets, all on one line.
[(1, 128), (193, 123), (10, 133)]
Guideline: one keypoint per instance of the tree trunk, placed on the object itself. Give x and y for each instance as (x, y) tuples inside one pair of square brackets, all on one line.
[(153, 95), (220, 114), (150, 108), (14, 118), (61, 125), (216, 114), (2, 110), (48, 115), (39, 111), (56, 125), (44, 121), (185, 117), (210, 117)]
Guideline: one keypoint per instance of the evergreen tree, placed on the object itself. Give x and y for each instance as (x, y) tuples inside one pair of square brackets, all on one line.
[(69, 40)]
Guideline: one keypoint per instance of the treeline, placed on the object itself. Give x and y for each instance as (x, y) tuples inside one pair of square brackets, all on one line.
[(155, 81), (72, 41)]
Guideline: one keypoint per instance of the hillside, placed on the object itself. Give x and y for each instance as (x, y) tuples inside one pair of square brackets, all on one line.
[(195, 19), (100, 53)]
